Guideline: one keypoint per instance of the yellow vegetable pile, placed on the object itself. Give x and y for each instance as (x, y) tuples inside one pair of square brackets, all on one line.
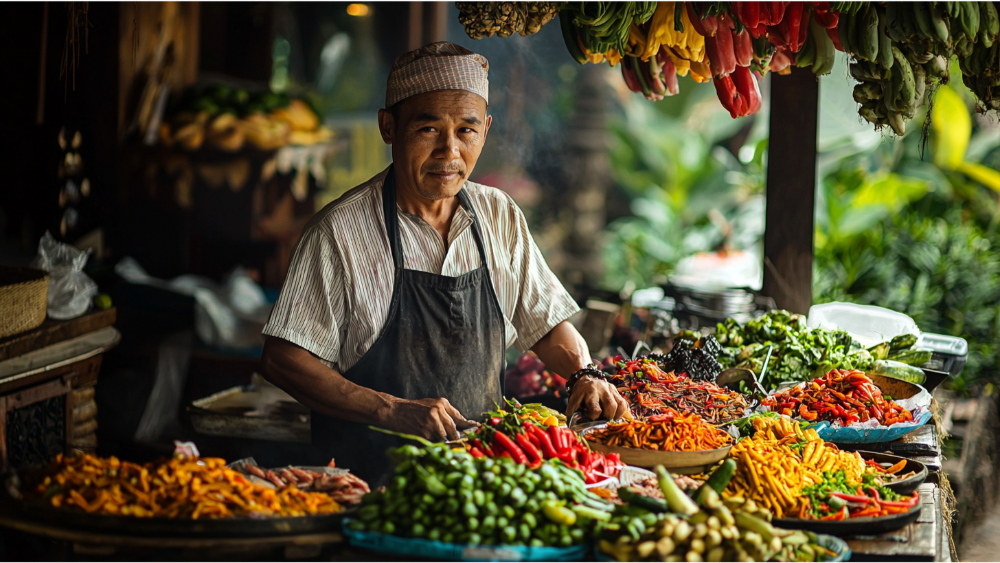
[(779, 460)]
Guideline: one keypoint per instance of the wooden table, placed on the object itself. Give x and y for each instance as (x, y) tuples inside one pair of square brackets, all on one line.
[(928, 538)]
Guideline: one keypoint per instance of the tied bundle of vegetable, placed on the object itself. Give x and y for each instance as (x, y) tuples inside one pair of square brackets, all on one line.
[(485, 19), (821, 44), (523, 435), (780, 459), (651, 391), (453, 497), (661, 50), (671, 431), (730, 52), (842, 396), (595, 31), (707, 528)]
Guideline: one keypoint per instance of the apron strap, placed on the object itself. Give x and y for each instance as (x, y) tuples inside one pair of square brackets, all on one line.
[(463, 197), (390, 216)]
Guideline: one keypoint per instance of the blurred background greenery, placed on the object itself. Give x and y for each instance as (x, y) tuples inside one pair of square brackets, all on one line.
[(909, 227)]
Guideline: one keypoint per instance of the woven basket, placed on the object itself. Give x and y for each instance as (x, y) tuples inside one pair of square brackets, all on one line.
[(23, 299)]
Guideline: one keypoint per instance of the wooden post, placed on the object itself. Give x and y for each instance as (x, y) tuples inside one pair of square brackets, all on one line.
[(791, 190)]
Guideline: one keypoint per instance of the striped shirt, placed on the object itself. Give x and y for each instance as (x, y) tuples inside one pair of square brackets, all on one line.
[(339, 285)]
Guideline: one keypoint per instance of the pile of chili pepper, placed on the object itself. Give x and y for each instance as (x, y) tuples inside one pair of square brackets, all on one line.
[(836, 499), (520, 436), (730, 52), (650, 391), (671, 431), (844, 396)]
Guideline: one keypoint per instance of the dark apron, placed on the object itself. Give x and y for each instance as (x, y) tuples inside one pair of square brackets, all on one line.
[(443, 337)]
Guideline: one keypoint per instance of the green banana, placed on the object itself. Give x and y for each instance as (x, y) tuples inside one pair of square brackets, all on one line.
[(989, 23), (963, 47), (938, 67), (826, 53), (884, 42), (891, 86), (970, 19), (920, 78), (922, 15), (897, 123), (570, 38), (868, 35), (894, 25), (939, 22), (807, 55), (845, 28), (906, 19), (954, 9), (908, 90)]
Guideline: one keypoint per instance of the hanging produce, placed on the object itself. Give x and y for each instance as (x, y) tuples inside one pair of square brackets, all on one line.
[(899, 51), (486, 19)]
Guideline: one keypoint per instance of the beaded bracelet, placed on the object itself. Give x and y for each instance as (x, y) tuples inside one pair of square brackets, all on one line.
[(590, 370)]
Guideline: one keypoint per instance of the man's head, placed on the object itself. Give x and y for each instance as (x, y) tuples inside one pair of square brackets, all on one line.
[(436, 118)]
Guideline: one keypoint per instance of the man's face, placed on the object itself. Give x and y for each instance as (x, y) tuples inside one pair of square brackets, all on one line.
[(436, 140)]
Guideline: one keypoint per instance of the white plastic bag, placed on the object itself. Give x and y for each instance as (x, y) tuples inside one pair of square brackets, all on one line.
[(70, 290)]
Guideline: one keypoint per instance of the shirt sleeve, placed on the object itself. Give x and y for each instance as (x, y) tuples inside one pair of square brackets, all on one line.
[(311, 310), (542, 301)]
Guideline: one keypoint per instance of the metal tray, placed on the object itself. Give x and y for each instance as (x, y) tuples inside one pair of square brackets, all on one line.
[(257, 411), (853, 526), (683, 463), (906, 486)]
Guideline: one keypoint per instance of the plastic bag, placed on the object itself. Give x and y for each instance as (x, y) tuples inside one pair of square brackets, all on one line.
[(70, 290)]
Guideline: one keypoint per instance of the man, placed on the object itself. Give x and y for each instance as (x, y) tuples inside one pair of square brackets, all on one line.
[(404, 294)]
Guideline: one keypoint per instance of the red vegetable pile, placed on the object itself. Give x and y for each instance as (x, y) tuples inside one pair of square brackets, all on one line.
[(515, 435), (844, 396)]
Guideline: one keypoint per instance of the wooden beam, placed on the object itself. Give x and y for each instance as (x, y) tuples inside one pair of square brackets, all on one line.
[(791, 189), (416, 25)]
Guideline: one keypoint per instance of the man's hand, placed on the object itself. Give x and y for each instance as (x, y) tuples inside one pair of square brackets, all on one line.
[(430, 418), (595, 398)]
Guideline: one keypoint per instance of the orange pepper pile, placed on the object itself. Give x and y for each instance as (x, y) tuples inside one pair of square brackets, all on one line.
[(182, 487), (671, 431), (846, 396)]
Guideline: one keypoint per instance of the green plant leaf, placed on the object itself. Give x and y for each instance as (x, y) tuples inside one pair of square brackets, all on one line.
[(952, 128)]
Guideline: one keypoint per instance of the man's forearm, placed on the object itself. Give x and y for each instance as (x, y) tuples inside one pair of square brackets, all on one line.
[(320, 388), (563, 350)]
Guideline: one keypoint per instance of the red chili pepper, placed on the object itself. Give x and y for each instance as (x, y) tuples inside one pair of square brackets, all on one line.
[(719, 48), (476, 452), (556, 442), (746, 85), (743, 48), (829, 20), (504, 442), (529, 449), (851, 498), (728, 95), (546, 445), (496, 420), (698, 23)]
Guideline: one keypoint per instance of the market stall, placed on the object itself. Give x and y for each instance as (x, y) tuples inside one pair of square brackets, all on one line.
[(768, 436), (814, 449)]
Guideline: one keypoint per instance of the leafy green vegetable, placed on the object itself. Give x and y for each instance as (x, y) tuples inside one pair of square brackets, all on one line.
[(798, 352)]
